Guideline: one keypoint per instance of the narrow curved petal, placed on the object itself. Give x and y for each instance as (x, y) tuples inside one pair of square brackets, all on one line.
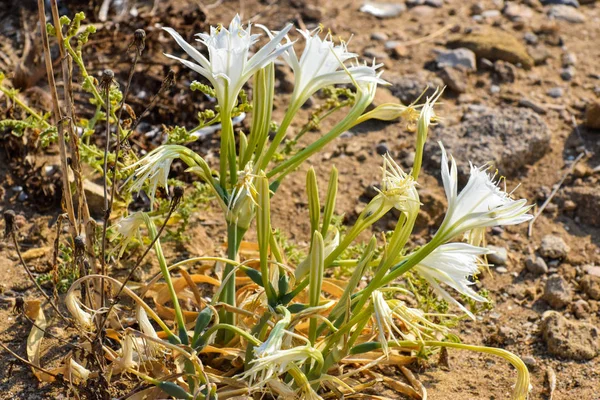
[(188, 48)]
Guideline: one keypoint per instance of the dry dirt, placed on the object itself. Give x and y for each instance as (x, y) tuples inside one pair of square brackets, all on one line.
[(515, 322)]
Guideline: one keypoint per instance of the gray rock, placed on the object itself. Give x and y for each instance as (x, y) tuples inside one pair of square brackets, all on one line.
[(374, 53), (499, 255), (570, 339), (569, 59), (409, 87), (508, 137), (530, 361), (556, 92), (382, 148), (590, 285), (461, 57), (530, 38), (557, 292), (570, 3), (566, 13), (379, 36), (494, 89), (455, 79), (567, 74), (553, 247), (434, 3), (536, 265), (383, 10), (517, 12)]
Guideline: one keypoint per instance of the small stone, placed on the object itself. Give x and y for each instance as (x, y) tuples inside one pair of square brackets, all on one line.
[(569, 205), (556, 92), (553, 247), (592, 270), (477, 9), (414, 3), (566, 13), (22, 196), (434, 3), (570, 3), (499, 255), (590, 285), (374, 53), (501, 270), (490, 14), (569, 59), (504, 72), (539, 54), (557, 292), (494, 44), (567, 74), (592, 115), (581, 309), (530, 38), (383, 10), (352, 148), (455, 79), (570, 339), (460, 57), (379, 36), (494, 89), (536, 265), (530, 361), (517, 12), (382, 148)]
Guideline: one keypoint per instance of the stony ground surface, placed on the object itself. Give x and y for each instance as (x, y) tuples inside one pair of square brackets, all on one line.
[(523, 93)]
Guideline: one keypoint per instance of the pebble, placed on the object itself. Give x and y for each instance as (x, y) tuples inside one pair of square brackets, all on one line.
[(382, 148), (581, 309), (22, 196), (374, 53), (592, 270), (494, 89), (591, 286), (592, 115), (530, 361), (557, 292), (556, 92), (553, 247), (530, 38), (434, 3), (570, 3), (569, 59), (501, 270), (383, 10), (566, 13), (460, 57), (517, 12), (379, 36), (536, 265), (499, 255), (523, 102), (567, 74), (455, 79), (569, 205)]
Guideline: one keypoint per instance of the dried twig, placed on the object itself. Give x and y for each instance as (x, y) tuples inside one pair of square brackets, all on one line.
[(556, 188), (24, 361), (551, 377)]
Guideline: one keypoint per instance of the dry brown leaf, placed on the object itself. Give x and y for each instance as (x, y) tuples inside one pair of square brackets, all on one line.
[(151, 393), (32, 254), (33, 310), (401, 387)]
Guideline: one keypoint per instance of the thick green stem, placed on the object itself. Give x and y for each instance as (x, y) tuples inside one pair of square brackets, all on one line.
[(164, 269), (234, 239)]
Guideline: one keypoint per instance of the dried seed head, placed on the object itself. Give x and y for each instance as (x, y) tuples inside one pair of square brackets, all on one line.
[(107, 78), (178, 193), (139, 40), (168, 82), (9, 222), (79, 245)]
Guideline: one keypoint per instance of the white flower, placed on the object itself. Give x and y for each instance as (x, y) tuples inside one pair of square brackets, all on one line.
[(384, 317), (452, 264), (227, 66), (322, 64), (279, 362), (129, 228), (480, 204), (155, 167), (397, 190)]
